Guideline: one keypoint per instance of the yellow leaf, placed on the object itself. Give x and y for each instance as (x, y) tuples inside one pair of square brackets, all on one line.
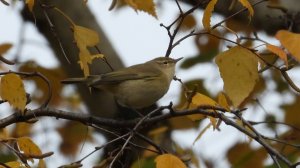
[(142, 162), (247, 5), (14, 164), (73, 134), (30, 4), (74, 100), (148, 153), (290, 41), (12, 90), (3, 133), (189, 22), (28, 146), (222, 101), (158, 130), (207, 14), (42, 164), (213, 122), (54, 75), (238, 68), (85, 37), (291, 113), (243, 156), (279, 52), (143, 5), (5, 47), (168, 161), (201, 133), (97, 56), (177, 123), (85, 58), (22, 129), (200, 100)]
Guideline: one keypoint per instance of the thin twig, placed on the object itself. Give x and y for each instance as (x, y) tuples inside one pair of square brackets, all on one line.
[(236, 13), (112, 5), (132, 133), (274, 122), (179, 7), (259, 138), (275, 161), (6, 61), (137, 123), (117, 135), (53, 31), (289, 80), (4, 2), (104, 58), (280, 141), (102, 146), (149, 141), (179, 20)]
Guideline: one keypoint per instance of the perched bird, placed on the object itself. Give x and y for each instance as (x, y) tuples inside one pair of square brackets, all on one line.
[(137, 86)]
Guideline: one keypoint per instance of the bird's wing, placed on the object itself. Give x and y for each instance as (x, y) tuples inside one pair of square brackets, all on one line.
[(120, 76)]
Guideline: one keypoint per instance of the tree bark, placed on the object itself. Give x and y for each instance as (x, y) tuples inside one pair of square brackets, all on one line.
[(99, 103)]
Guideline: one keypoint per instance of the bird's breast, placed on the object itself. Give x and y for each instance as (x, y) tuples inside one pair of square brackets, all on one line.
[(140, 93)]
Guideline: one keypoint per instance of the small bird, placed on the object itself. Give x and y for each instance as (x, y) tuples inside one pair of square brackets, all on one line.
[(137, 86)]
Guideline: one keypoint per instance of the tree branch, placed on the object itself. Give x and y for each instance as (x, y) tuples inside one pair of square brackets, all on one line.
[(146, 121)]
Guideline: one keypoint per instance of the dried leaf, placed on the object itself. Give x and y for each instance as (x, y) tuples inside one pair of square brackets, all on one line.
[(241, 155), (200, 100), (148, 153), (222, 101), (158, 130), (279, 52), (292, 113), (207, 14), (182, 123), (213, 122), (30, 4), (22, 129), (147, 6), (73, 134), (201, 133), (28, 147), (84, 38), (268, 58), (85, 58), (143, 163), (189, 22), (54, 75), (290, 41), (14, 164), (5, 47), (238, 68), (42, 164), (169, 161), (12, 90), (3, 133), (247, 5)]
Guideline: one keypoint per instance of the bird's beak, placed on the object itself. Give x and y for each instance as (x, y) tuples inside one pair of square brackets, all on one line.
[(178, 59)]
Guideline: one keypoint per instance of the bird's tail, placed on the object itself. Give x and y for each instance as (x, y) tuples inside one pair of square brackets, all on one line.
[(74, 80)]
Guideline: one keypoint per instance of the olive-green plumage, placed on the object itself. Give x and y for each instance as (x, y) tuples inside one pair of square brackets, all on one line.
[(137, 86)]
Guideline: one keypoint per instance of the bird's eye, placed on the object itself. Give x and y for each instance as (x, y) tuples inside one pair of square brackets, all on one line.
[(165, 62)]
